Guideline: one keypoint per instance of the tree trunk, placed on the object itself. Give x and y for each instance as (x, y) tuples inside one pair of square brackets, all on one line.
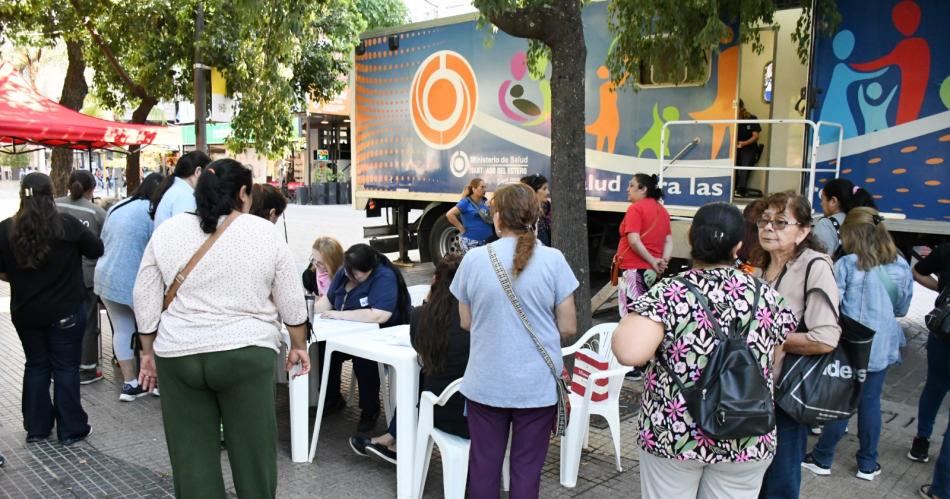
[(133, 174), (74, 93), (568, 157)]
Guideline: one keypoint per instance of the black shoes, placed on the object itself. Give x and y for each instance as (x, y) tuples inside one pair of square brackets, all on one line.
[(334, 406), (74, 440), (919, 450), (32, 439), (3, 461), (359, 445), (367, 421), (382, 452)]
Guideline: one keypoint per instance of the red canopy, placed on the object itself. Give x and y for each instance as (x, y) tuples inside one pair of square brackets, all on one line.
[(28, 117)]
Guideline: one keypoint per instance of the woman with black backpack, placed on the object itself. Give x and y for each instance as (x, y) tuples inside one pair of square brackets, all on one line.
[(681, 329)]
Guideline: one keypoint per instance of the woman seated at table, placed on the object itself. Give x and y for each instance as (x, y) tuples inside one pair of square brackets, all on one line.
[(442, 344), (367, 289), (326, 260)]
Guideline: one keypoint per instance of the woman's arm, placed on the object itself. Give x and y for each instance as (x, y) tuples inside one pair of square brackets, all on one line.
[(453, 217), (322, 304), (465, 316), (633, 238), (927, 281), (801, 344), (636, 339), (370, 315), (566, 317)]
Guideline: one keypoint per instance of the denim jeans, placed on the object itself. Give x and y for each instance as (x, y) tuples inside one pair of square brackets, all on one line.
[(783, 479), (869, 427), (936, 387), (54, 352)]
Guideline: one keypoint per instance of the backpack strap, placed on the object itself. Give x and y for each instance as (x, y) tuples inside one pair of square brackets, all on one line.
[(701, 300)]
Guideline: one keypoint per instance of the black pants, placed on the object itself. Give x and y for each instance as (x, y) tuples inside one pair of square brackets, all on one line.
[(367, 377), (745, 156), (54, 352)]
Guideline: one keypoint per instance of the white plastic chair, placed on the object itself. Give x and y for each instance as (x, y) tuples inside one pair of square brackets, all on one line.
[(582, 406), (454, 449), (418, 294)]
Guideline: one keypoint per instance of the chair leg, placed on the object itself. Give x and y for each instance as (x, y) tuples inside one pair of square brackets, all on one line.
[(572, 444), (424, 445), (613, 422), (352, 391), (454, 474)]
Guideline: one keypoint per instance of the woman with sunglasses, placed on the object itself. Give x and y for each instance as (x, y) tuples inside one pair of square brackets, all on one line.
[(367, 289), (791, 262)]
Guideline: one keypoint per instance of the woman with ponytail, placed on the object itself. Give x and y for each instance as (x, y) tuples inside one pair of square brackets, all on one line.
[(79, 204), (508, 381), (40, 250), (214, 344), (876, 285), (646, 241)]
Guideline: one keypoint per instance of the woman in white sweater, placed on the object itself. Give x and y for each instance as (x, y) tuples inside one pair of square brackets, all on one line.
[(214, 344)]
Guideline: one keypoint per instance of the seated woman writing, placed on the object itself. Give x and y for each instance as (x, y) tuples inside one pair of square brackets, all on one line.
[(368, 288)]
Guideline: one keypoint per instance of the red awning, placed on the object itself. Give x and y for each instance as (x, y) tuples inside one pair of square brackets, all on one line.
[(26, 117)]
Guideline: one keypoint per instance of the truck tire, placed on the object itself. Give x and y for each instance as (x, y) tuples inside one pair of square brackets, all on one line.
[(443, 239)]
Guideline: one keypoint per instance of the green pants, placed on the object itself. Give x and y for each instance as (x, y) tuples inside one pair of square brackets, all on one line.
[(234, 388)]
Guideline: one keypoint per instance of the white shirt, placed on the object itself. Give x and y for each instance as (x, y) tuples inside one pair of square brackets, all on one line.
[(235, 297)]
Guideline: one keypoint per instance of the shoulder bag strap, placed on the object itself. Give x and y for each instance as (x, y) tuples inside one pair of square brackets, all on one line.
[(183, 273), (815, 290), (888, 283)]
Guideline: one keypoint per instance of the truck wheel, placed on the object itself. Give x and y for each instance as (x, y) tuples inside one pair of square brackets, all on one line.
[(443, 239)]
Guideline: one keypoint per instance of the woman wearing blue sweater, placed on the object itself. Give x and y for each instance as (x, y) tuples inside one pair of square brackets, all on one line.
[(876, 285), (125, 234)]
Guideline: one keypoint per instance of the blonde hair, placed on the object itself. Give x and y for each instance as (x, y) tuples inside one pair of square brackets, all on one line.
[(472, 185), (518, 210), (332, 253), (864, 234)]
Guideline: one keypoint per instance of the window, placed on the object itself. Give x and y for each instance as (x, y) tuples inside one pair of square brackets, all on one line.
[(768, 75)]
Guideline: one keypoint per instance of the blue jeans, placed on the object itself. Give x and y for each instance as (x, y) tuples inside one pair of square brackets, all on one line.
[(869, 427), (783, 479), (54, 351), (936, 387)]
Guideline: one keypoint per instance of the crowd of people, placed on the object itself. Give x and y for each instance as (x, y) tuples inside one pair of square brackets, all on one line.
[(767, 283)]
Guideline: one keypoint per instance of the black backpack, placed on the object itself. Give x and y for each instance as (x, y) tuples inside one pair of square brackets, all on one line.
[(732, 398)]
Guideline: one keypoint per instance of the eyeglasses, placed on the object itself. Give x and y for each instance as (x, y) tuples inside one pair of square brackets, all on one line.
[(777, 223)]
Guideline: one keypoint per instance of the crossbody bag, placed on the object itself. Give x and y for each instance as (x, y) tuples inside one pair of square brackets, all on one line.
[(563, 394)]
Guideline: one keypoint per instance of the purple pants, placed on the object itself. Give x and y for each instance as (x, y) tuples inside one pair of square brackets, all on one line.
[(530, 436)]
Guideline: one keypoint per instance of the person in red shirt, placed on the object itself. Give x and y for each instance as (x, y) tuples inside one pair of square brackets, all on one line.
[(646, 241)]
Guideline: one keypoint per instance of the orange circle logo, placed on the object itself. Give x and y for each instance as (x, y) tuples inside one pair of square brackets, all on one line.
[(444, 99)]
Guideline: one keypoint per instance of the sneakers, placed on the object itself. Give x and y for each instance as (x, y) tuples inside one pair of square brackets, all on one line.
[(382, 452), (3, 461), (155, 392), (88, 376), (367, 421), (32, 439), (359, 445), (869, 475), (130, 393), (919, 450), (74, 440), (815, 430), (811, 465), (926, 492)]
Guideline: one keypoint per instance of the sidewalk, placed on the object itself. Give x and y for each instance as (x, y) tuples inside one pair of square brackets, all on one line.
[(126, 454)]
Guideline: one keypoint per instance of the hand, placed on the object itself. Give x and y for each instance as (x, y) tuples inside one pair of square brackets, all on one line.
[(655, 264), (296, 355), (332, 314), (148, 374), (739, 145)]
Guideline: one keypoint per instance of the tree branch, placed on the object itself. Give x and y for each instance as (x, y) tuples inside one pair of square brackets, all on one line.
[(136, 89), (526, 22)]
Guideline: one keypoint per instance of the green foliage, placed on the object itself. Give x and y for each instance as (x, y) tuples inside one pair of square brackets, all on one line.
[(272, 53), (14, 160), (383, 13)]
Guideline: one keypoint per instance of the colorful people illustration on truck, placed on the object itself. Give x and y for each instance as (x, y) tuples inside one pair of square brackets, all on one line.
[(726, 87), (874, 111), (651, 139), (835, 108), (607, 125), (522, 110), (912, 58)]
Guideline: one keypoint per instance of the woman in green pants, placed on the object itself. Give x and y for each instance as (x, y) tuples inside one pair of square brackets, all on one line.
[(213, 341)]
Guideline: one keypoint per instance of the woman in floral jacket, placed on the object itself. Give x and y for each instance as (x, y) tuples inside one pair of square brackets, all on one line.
[(676, 458)]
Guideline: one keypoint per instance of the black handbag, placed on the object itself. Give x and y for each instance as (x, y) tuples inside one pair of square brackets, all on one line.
[(814, 389), (938, 319)]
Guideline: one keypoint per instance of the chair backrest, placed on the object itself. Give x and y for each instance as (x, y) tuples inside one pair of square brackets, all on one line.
[(595, 355), (418, 294)]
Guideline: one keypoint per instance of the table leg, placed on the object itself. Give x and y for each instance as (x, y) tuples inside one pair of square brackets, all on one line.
[(407, 394), (320, 405), (299, 389)]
